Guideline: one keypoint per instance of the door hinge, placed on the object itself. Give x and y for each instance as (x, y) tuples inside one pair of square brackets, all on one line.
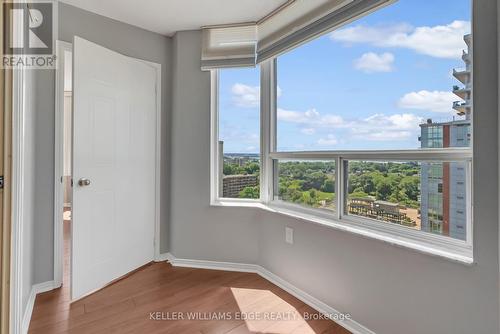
[(1, 182)]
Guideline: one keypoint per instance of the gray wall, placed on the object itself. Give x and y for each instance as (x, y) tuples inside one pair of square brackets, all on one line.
[(123, 38), (498, 126), (29, 220), (198, 231), (389, 289), (43, 132)]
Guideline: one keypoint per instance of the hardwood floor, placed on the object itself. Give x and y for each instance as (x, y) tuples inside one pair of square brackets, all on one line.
[(148, 300)]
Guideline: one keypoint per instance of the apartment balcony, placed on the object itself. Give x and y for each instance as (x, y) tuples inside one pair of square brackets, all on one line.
[(462, 75), (468, 40), (462, 107), (466, 57), (462, 92)]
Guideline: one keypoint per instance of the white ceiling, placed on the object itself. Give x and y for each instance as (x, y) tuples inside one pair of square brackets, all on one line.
[(168, 16)]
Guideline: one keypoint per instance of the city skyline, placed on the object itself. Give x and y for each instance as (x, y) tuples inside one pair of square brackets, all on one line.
[(349, 90)]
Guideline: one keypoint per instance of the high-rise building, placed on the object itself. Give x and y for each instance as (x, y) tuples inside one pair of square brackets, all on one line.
[(443, 187)]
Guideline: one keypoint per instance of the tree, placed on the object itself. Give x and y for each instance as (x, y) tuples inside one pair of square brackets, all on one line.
[(367, 183), (252, 167), (250, 192), (358, 194), (294, 195), (314, 180), (409, 186), (233, 169), (313, 193), (249, 168), (228, 169), (384, 190), (309, 197), (328, 186), (394, 181)]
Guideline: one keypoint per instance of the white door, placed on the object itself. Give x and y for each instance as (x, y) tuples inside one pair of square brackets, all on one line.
[(114, 159)]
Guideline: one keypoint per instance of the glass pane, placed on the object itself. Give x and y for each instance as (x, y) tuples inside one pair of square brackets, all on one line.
[(427, 196), (307, 183), (393, 79), (239, 132)]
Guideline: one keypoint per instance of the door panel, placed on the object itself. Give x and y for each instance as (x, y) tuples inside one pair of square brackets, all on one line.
[(114, 146)]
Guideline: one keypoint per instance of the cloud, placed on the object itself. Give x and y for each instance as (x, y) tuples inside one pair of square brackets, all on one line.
[(308, 131), (279, 91), (388, 135), (394, 122), (371, 62), (330, 140), (310, 117), (380, 127), (245, 96), (376, 35), (373, 127), (235, 133), (251, 149), (436, 101), (297, 116), (441, 41)]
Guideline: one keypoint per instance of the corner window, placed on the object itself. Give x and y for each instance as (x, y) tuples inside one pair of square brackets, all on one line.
[(368, 127)]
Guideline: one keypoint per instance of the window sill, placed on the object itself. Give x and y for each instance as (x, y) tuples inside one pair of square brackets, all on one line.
[(242, 203), (427, 243)]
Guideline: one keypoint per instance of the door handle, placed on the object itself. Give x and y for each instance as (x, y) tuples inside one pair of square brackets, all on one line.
[(84, 182)]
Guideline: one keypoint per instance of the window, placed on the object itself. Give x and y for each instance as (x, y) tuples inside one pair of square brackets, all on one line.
[(239, 133), (432, 136), (368, 127), (371, 86)]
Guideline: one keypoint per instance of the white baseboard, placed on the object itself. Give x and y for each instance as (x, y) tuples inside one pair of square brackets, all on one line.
[(228, 266), (349, 324), (163, 257), (35, 290)]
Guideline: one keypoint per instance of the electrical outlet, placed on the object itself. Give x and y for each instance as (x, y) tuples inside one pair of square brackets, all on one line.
[(289, 235)]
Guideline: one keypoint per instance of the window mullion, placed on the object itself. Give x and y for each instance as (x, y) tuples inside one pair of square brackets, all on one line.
[(444, 154), (267, 133), (214, 140), (339, 193)]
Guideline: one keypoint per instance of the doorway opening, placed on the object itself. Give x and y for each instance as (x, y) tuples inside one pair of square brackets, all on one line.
[(63, 202), (67, 168)]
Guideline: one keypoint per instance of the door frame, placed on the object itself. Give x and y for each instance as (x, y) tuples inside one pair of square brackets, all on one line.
[(59, 161), (5, 198), (20, 98)]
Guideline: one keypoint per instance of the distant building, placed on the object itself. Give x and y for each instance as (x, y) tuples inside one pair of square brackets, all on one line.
[(443, 186), (232, 185)]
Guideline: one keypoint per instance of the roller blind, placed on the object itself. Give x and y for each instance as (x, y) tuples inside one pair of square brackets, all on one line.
[(306, 19), (294, 24), (231, 46)]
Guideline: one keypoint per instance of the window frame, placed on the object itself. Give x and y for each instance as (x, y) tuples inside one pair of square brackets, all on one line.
[(216, 184), (434, 244)]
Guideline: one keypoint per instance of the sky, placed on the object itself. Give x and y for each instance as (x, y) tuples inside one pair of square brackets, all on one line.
[(366, 85)]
